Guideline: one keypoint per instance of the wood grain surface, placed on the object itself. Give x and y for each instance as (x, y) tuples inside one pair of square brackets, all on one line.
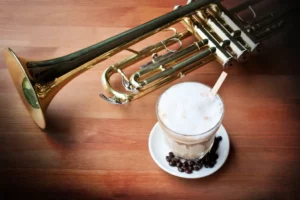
[(94, 150)]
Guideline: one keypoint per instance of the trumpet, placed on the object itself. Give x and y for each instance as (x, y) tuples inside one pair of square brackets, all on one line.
[(220, 34)]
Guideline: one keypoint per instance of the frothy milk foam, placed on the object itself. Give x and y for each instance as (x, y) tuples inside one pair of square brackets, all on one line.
[(188, 109), (190, 117)]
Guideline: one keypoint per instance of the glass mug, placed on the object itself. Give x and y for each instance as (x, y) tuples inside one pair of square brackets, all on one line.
[(196, 144)]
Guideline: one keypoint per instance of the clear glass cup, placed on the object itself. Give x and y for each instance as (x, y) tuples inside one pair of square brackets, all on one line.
[(193, 146)]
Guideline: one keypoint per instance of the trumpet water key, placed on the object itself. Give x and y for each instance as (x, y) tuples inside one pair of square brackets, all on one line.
[(219, 34)]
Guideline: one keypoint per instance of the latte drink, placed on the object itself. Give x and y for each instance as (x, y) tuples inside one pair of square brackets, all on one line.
[(189, 117)]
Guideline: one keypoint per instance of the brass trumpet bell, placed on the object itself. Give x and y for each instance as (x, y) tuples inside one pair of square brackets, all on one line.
[(219, 34), (26, 90)]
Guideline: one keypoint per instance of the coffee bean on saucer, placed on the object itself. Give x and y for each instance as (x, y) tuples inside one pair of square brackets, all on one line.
[(216, 143), (189, 168), (176, 160), (207, 158), (172, 163), (211, 164), (179, 164), (171, 154), (199, 165), (206, 165), (196, 167), (185, 166), (214, 162), (214, 156), (219, 138), (214, 148), (168, 158), (191, 163), (185, 163), (180, 169), (200, 161)]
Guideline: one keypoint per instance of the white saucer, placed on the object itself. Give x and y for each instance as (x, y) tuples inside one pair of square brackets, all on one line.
[(159, 150)]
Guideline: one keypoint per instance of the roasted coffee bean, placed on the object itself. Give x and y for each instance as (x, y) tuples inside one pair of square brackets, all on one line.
[(211, 164), (189, 168), (206, 165), (200, 161), (191, 163), (168, 158), (179, 164), (188, 171), (172, 163), (200, 165), (215, 156), (180, 169), (214, 148), (209, 154), (207, 158), (219, 138), (196, 167), (185, 163), (176, 160), (171, 154)]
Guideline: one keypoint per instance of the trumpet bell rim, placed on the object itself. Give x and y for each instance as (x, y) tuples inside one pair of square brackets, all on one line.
[(25, 87)]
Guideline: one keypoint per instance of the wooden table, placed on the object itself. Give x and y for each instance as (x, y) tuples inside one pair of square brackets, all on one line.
[(94, 150)]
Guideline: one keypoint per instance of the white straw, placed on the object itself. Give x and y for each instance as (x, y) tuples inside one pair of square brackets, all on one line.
[(218, 84)]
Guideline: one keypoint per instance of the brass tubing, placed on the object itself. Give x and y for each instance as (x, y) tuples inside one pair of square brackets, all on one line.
[(184, 52), (149, 50), (181, 65), (119, 96)]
